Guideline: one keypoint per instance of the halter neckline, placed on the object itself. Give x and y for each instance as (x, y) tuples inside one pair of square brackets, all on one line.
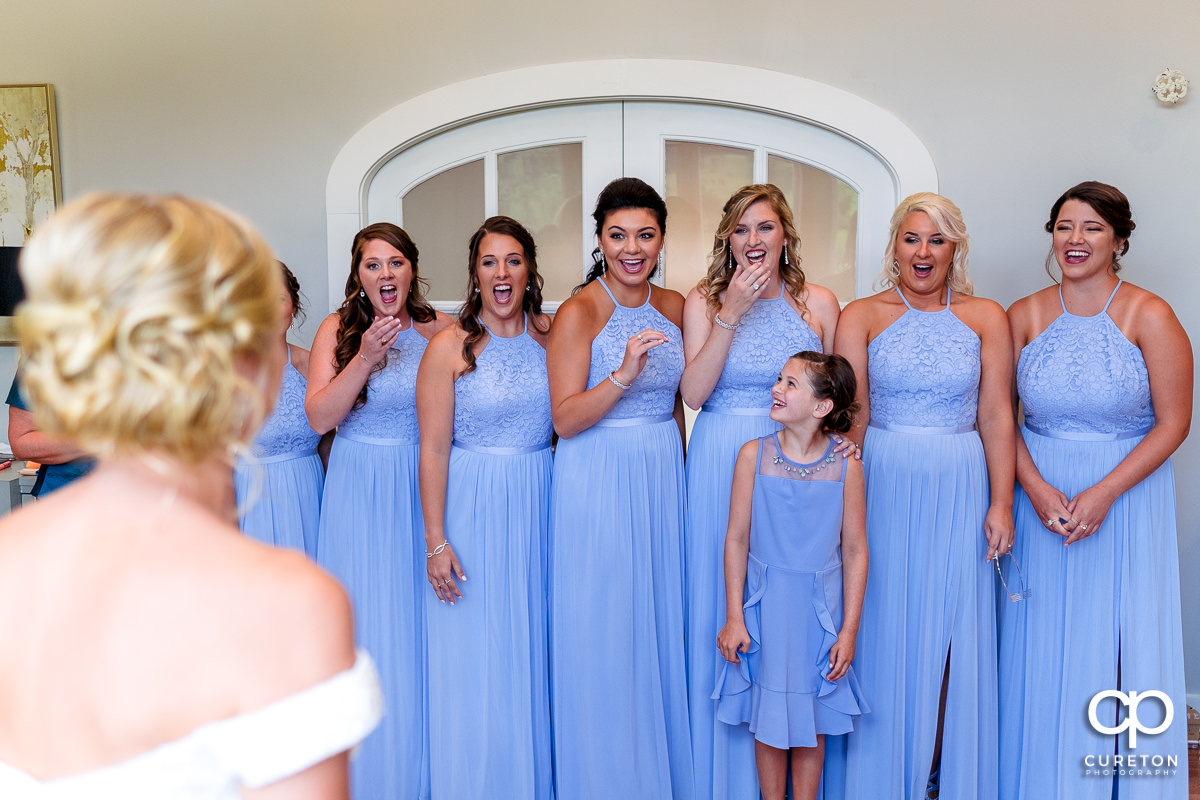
[(524, 330), (608, 291), (1104, 310), (910, 308)]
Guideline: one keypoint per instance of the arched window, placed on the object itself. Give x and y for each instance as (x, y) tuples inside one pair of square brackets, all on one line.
[(525, 145)]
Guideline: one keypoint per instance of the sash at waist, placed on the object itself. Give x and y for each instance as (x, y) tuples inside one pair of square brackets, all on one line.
[(629, 422), (354, 437), (921, 430), (1085, 436), (737, 412), (281, 457), (500, 451)]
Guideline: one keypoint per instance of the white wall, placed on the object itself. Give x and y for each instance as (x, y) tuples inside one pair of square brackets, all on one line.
[(248, 102)]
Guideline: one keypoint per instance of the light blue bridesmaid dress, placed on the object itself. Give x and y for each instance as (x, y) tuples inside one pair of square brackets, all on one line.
[(279, 484), (793, 607), (489, 694), (1105, 606), (930, 592), (618, 683), (735, 413), (372, 538)]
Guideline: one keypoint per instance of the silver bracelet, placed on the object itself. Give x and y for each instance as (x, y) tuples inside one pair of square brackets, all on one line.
[(364, 358), (612, 376), (717, 319), (437, 550)]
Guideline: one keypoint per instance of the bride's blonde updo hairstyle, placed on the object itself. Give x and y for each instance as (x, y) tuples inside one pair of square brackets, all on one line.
[(138, 310)]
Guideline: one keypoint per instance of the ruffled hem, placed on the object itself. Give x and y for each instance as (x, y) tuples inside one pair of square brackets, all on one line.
[(790, 719), (786, 719)]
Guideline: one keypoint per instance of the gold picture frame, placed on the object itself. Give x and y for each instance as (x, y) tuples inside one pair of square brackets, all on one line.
[(30, 178)]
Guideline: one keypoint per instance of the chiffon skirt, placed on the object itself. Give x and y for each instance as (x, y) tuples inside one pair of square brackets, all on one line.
[(930, 596), (618, 684), (1102, 614), (489, 694), (723, 755), (279, 502), (372, 539)]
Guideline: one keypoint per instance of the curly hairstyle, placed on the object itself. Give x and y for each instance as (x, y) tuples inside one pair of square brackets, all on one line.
[(947, 218), (292, 285), (1110, 203), (619, 194), (356, 313), (720, 262), (531, 303), (832, 378), (140, 311)]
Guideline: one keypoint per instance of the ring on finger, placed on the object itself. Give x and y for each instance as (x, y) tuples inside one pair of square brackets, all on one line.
[(755, 287), (1083, 526), (639, 337)]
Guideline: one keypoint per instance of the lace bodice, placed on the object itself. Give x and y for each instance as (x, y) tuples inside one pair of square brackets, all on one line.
[(215, 760), (1081, 375), (924, 370), (767, 335), (505, 402), (652, 393), (286, 430), (391, 408)]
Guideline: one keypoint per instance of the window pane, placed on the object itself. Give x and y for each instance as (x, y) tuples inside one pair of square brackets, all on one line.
[(440, 214), (699, 179), (542, 188), (826, 211)]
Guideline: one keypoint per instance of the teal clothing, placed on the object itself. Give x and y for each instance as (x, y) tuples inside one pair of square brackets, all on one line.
[(50, 476)]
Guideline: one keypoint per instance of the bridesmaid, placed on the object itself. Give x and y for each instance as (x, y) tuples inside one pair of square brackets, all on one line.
[(483, 404), (279, 486), (934, 364), (619, 694), (362, 379), (1105, 377), (751, 312)]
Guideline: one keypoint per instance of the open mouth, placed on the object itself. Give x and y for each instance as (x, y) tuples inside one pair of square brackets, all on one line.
[(502, 292), (388, 294), (1077, 256), (756, 256), (923, 270), (632, 266)]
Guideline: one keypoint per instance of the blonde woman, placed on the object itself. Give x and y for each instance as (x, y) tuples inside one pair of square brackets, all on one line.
[(151, 650), (751, 312), (934, 369)]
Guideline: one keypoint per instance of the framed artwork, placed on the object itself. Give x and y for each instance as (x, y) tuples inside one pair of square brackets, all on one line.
[(30, 181)]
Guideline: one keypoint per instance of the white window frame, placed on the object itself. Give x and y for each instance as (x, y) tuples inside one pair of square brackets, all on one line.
[(895, 145)]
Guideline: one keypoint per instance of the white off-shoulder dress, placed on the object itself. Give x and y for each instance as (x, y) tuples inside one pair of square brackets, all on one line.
[(216, 760)]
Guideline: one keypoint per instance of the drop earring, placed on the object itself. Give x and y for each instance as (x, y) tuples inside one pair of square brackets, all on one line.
[(785, 255), (732, 264), (362, 292)]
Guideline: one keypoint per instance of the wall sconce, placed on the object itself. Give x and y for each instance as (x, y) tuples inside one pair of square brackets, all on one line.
[(1171, 86)]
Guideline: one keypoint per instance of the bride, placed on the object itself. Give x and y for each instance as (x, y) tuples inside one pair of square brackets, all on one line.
[(149, 649)]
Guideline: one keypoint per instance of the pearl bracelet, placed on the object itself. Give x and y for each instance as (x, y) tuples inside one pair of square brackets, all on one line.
[(612, 376), (717, 319), (437, 550)]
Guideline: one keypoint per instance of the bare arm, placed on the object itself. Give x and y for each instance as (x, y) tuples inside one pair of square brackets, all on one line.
[(30, 444), (995, 420), (824, 312), (435, 416), (852, 345), (705, 343), (325, 649), (854, 568), (1168, 354), (1048, 502), (733, 637), (574, 407), (330, 394)]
